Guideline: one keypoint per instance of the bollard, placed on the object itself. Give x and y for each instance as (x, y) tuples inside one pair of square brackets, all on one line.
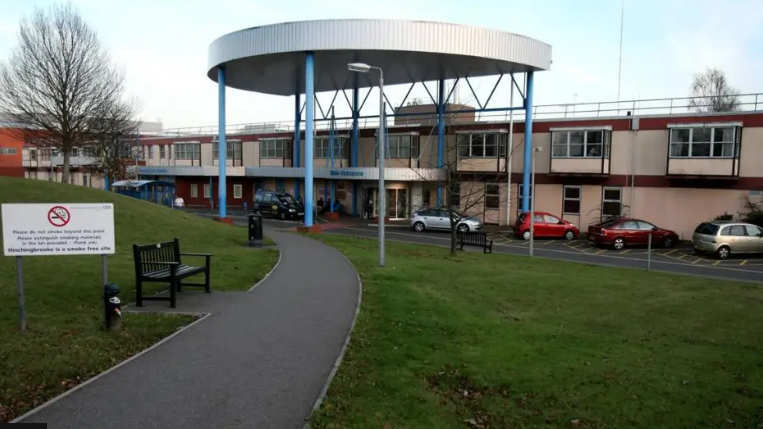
[(649, 253), (255, 230), (112, 307)]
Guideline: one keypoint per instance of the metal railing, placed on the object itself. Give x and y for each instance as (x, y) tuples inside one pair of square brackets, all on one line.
[(679, 106)]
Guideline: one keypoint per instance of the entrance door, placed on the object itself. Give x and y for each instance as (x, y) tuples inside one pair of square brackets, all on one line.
[(397, 203)]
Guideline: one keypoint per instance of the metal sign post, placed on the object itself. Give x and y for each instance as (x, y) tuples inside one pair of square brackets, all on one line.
[(56, 229)]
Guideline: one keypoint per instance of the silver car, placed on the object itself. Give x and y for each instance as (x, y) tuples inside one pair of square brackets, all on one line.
[(439, 219), (724, 238)]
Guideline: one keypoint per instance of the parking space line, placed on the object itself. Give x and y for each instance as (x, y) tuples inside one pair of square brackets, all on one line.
[(624, 251), (548, 242), (682, 257), (697, 260), (670, 252), (716, 263), (742, 263), (600, 252)]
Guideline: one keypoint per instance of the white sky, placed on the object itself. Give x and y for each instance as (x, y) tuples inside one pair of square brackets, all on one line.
[(162, 46)]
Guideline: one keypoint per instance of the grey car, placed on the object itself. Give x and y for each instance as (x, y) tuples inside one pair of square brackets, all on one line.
[(439, 219), (724, 238)]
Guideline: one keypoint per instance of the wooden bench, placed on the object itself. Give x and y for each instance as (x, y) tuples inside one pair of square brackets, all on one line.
[(160, 263), (476, 239)]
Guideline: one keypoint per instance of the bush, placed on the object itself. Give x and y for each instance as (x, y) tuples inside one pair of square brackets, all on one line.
[(752, 212), (724, 216)]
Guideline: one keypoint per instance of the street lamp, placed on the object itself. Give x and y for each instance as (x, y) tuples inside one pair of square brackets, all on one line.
[(532, 200), (365, 68)]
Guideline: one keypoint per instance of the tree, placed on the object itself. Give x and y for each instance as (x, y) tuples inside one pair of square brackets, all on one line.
[(712, 93), (60, 86)]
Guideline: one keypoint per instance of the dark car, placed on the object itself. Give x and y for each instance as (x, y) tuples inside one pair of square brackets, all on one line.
[(278, 205), (621, 232)]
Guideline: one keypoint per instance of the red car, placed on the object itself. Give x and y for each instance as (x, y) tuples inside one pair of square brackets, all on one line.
[(545, 225), (621, 232)]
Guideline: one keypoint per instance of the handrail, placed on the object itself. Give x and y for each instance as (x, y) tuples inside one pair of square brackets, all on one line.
[(676, 106)]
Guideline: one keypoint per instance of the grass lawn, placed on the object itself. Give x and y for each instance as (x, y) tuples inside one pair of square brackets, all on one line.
[(64, 344), (498, 341)]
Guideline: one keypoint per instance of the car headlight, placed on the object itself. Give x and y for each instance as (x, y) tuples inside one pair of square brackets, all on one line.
[(292, 210), (573, 225)]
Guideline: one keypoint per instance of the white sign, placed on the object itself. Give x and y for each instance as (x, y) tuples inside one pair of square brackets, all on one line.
[(58, 229)]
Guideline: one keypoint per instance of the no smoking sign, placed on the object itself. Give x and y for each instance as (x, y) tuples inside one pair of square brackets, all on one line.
[(58, 216)]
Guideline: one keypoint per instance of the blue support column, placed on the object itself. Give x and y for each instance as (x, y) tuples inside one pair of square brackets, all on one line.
[(106, 180), (309, 122), (440, 134), (355, 140), (222, 146), (526, 168), (331, 148), (297, 134)]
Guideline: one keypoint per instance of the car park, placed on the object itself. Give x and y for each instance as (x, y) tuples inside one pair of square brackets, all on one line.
[(439, 219), (622, 232), (724, 238), (278, 205), (544, 225)]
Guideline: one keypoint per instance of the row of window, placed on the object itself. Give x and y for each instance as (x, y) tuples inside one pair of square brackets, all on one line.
[(611, 202), (7, 151)]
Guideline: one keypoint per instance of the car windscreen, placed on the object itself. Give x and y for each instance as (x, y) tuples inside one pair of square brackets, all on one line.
[(707, 229), (286, 199)]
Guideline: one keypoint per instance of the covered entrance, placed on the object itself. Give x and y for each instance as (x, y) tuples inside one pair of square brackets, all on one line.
[(397, 202)]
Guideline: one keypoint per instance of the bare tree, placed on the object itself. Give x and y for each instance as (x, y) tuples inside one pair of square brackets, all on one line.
[(60, 86), (712, 93)]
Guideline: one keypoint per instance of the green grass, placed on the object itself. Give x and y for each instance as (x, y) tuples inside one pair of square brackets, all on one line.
[(498, 341), (64, 344)]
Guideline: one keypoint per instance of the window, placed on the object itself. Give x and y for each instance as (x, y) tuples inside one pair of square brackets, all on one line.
[(32, 154), (162, 151), (7, 151), (274, 148), (645, 226), (323, 147), (206, 190), (482, 145), (237, 191), (280, 186), (426, 197), (521, 194), (580, 144), (194, 190), (611, 204), (233, 150), (44, 154), (753, 231), (551, 219), (74, 152), (187, 151), (86, 180), (340, 192), (402, 146), (88, 151), (492, 196), (733, 231), (629, 224), (454, 199), (703, 142), (263, 197), (571, 203)]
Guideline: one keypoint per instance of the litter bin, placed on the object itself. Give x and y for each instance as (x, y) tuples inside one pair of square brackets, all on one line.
[(112, 307), (255, 230)]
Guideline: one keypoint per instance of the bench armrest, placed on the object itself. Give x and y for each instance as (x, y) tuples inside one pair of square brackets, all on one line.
[(208, 255), (160, 263)]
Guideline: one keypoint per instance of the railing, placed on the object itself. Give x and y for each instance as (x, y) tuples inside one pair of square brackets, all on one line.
[(606, 109)]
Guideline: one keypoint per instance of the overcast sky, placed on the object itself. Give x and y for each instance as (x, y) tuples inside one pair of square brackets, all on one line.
[(162, 46)]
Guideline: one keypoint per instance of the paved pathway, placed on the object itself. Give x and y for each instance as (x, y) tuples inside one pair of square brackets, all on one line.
[(260, 361)]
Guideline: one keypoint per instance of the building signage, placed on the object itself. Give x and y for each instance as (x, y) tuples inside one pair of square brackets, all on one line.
[(153, 170), (346, 173), (58, 229)]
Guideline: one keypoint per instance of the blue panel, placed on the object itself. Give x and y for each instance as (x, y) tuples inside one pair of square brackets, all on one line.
[(440, 134), (526, 169), (309, 123), (222, 145)]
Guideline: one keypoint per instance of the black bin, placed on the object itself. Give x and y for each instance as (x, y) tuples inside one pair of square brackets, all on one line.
[(255, 230), (112, 307)]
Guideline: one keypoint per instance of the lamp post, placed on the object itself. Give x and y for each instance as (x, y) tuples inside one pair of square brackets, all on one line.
[(532, 201), (365, 68)]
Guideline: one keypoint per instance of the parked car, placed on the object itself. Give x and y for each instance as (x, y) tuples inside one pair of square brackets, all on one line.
[(724, 238), (544, 225), (439, 219), (621, 232), (278, 205)]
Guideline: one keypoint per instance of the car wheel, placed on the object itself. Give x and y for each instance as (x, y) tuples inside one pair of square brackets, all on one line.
[(723, 252), (619, 243), (668, 243), (463, 228), (569, 235), (419, 227), (526, 235)]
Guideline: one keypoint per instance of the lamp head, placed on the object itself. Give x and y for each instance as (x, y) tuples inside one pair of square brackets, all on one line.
[(359, 67)]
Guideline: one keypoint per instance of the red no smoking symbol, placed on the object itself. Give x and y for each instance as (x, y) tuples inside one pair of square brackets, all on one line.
[(58, 216)]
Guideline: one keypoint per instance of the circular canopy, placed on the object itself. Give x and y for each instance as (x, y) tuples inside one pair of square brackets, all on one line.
[(271, 59)]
